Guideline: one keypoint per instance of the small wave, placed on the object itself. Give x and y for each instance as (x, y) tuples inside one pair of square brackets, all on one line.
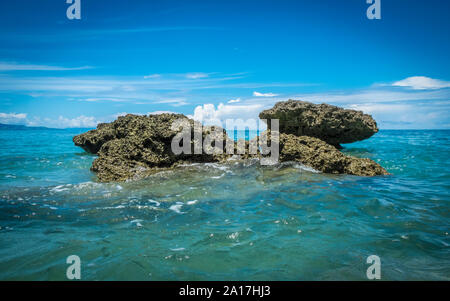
[(60, 188), (305, 168), (218, 177), (110, 207), (297, 165), (139, 207), (87, 185), (155, 202), (188, 164), (233, 236), (177, 249), (137, 222), (234, 158), (176, 207), (217, 166)]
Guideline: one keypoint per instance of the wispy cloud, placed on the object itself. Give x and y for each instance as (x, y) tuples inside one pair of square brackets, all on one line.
[(422, 83), (13, 118), (174, 102), (406, 115), (391, 106), (152, 76), (61, 122), (258, 94), (77, 122), (100, 33), (416, 103), (146, 30), (12, 66), (129, 89), (375, 95), (104, 99), (197, 75)]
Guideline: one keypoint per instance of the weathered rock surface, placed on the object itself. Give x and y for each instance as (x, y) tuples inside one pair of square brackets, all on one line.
[(329, 123), (134, 146), (323, 157)]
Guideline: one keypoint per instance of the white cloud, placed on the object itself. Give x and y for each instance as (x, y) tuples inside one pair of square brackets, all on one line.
[(103, 99), (257, 94), (121, 89), (380, 108), (62, 122), (77, 122), (197, 75), (422, 83), (5, 66), (390, 106), (234, 100), (370, 96), (13, 118), (208, 114), (405, 115), (126, 89), (177, 102), (152, 76)]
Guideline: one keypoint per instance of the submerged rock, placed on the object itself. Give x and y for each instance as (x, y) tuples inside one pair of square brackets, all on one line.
[(329, 123)]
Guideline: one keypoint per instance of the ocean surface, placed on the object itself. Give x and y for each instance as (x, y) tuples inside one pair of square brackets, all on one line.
[(225, 222)]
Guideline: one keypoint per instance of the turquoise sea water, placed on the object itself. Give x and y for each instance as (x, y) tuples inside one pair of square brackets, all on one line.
[(225, 222)]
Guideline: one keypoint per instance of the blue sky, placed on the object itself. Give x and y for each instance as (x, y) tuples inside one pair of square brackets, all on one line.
[(223, 59)]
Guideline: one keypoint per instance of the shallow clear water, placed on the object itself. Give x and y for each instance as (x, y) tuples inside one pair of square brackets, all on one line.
[(224, 222)]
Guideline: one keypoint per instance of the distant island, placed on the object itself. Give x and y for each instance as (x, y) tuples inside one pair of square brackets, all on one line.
[(22, 127), (4, 126)]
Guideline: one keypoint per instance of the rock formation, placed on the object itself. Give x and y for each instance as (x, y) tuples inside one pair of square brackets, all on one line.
[(323, 157), (134, 145), (329, 123)]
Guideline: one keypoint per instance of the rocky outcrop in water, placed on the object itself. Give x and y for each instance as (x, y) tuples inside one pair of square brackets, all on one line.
[(329, 123), (134, 146), (323, 157)]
